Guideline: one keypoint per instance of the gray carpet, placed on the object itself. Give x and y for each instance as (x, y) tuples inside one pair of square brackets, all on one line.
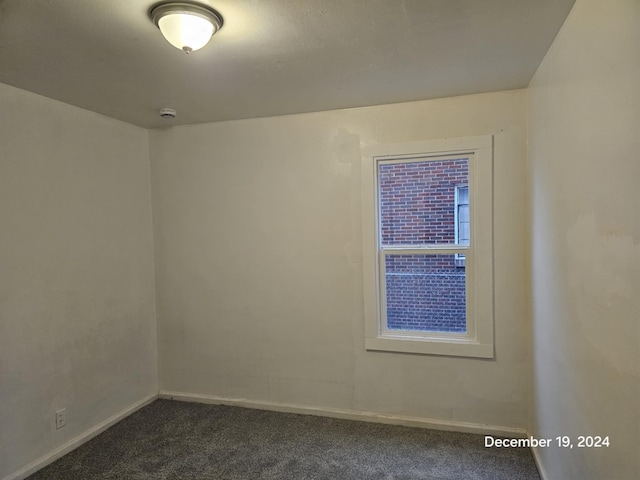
[(178, 440)]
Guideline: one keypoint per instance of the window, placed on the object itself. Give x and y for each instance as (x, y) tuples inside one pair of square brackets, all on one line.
[(461, 222), (427, 232)]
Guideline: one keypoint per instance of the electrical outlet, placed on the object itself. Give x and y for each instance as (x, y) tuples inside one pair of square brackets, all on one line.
[(61, 418)]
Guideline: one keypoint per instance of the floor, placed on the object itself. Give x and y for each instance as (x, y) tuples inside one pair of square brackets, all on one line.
[(178, 440)]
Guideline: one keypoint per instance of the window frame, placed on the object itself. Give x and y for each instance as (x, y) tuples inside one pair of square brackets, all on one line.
[(478, 341)]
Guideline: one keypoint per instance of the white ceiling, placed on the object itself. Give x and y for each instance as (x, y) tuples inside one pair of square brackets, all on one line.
[(273, 57)]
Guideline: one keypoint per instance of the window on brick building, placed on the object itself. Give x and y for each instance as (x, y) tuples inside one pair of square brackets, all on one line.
[(427, 230), (461, 222)]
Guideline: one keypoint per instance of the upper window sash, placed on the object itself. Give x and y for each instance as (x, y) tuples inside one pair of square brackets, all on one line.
[(391, 182)]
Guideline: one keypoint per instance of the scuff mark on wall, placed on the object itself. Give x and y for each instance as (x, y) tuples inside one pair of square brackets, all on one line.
[(603, 280), (346, 146)]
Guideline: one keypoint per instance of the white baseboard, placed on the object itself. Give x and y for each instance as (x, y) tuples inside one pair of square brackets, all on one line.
[(538, 460), (390, 419), (78, 440)]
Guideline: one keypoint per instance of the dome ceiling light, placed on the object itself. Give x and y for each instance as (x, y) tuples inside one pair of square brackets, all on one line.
[(187, 26)]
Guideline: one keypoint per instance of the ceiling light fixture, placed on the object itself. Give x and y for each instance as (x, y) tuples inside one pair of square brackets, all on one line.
[(187, 26)]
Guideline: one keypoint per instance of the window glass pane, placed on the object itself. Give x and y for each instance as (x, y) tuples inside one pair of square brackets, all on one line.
[(425, 293), (463, 195), (463, 224), (417, 201), (463, 214), (462, 234)]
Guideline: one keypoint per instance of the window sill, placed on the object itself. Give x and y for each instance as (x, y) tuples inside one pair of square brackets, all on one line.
[(430, 346)]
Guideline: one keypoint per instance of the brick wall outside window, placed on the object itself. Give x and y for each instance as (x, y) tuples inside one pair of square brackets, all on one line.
[(417, 203)]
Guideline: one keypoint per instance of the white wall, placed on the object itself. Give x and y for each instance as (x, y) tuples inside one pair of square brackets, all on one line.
[(77, 326), (584, 149), (258, 263)]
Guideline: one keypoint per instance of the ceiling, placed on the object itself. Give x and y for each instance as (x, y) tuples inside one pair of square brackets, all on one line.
[(272, 57)]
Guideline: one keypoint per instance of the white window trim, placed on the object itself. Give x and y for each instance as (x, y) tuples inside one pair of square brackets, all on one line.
[(478, 341)]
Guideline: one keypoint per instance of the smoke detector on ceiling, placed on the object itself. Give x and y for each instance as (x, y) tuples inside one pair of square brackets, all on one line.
[(167, 113)]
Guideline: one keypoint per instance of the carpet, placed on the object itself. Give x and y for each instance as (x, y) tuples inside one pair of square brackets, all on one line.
[(180, 440)]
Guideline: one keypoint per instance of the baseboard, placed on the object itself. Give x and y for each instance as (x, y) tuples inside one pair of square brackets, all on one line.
[(362, 416), (78, 440), (538, 460)]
